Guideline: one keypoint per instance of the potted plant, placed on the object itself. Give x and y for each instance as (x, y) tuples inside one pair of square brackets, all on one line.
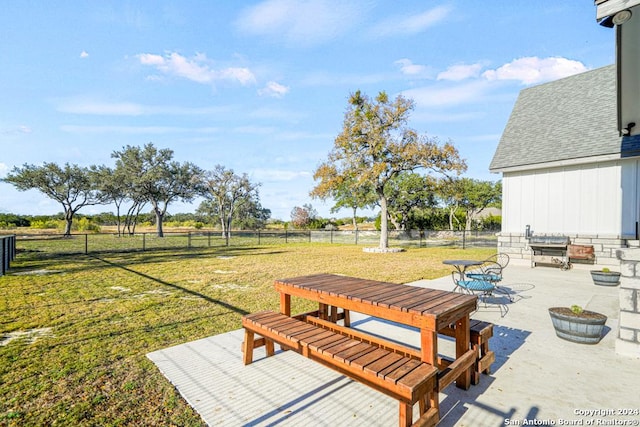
[(605, 277), (577, 325)]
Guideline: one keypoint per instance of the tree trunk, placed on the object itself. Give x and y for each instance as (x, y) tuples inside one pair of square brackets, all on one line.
[(395, 223), (451, 214), (355, 222), (228, 230), (469, 221), (159, 217), (68, 216), (384, 220), (67, 227)]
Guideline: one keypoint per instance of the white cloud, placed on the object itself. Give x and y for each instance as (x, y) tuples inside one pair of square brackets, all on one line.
[(197, 68), (22, 129), (300, 23), (84, 54), (92, 107), (274, 89), (532, 70), (102, 108), (4, 169), (411, 24), (408, 68), (460, 72)]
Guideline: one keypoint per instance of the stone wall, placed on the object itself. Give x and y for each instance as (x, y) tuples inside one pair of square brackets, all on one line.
[(628, 342), (605, 247)]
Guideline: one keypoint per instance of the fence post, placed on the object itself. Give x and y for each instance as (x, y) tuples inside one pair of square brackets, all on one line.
[(258, 237), (309, 236), (2, 266), (86, 243), (464, 238), (144, 241), (209, 238), (286, 236), (331, 231), (188, 240), (356, 236)]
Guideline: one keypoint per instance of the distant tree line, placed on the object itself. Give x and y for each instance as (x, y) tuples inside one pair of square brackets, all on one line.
[(377, 162), (143, 176)]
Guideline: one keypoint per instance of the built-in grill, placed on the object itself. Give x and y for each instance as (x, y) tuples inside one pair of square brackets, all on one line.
[(549, 250)]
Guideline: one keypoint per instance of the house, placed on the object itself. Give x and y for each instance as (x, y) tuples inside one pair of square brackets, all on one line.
[(566, 170)]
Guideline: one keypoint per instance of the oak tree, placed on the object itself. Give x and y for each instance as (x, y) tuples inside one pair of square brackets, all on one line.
[(227, 193), (73, 186), (155, 178), (375, 145)]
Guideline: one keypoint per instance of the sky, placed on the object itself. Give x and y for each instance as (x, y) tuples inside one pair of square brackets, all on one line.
[(261, 87)]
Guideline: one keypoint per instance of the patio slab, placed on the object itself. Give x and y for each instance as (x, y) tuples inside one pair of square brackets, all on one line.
[(536, 376)]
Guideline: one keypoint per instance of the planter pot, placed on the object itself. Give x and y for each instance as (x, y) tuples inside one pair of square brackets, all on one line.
[(605, 278), (585, 328)]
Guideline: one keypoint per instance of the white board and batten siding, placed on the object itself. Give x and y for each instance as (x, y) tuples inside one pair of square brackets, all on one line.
[(598, 199)]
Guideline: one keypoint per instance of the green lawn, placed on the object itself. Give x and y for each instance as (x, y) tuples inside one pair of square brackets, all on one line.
[(75, 329)]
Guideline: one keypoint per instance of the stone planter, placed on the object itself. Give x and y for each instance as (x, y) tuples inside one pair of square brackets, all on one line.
[(605, 278), (583, 328)]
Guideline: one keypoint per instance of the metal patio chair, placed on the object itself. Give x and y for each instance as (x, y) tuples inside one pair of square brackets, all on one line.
[(491, 271)]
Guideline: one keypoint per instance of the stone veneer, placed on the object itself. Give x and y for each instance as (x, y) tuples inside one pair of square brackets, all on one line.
[(516, 246), (628, 342)]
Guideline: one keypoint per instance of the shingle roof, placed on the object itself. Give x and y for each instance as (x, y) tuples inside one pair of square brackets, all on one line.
[(567, 119)]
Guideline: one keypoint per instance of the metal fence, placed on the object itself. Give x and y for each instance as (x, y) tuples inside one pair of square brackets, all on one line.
[(7, 252), (102, 242)]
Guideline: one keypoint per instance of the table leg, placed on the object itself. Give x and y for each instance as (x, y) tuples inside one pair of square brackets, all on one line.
[(285, 304), (429, 346), (463, 337)]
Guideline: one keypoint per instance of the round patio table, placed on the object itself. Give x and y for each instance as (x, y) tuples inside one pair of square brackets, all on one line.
[(461, 265)]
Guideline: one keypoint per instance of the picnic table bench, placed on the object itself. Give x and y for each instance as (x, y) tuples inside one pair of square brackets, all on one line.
[(384, 366)]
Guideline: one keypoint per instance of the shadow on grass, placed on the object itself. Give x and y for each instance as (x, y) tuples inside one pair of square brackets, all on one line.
[(174, 286), (35, 259)]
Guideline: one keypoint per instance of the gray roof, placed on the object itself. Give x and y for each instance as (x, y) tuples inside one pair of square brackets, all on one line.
[(567, 119)]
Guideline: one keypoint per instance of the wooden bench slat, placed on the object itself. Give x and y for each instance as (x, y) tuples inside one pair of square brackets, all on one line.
[(340, 347), (331, 339), (383, 363), (408, 366), (369, 358), (354, 352), (399, 375)]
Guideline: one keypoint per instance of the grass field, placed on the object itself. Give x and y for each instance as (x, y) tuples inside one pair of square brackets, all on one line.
[(75, 329)]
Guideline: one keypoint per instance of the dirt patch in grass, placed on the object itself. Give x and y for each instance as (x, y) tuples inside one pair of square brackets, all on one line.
[(41, 272), (28, 337)]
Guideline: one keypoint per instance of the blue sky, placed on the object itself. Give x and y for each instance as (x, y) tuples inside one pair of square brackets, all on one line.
[(261, 87)]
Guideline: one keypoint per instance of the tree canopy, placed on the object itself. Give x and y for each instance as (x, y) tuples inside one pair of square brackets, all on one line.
[(72, 186), (227, 194), (155, 178), (374, 146)]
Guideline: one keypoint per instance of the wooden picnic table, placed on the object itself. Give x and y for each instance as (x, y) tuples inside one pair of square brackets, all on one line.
[(429, 310)]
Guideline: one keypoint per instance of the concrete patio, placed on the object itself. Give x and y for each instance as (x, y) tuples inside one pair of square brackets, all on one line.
[(536, 376)]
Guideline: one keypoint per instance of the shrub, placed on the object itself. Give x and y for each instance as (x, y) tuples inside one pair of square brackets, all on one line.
[(85, 224), (42, 224)]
